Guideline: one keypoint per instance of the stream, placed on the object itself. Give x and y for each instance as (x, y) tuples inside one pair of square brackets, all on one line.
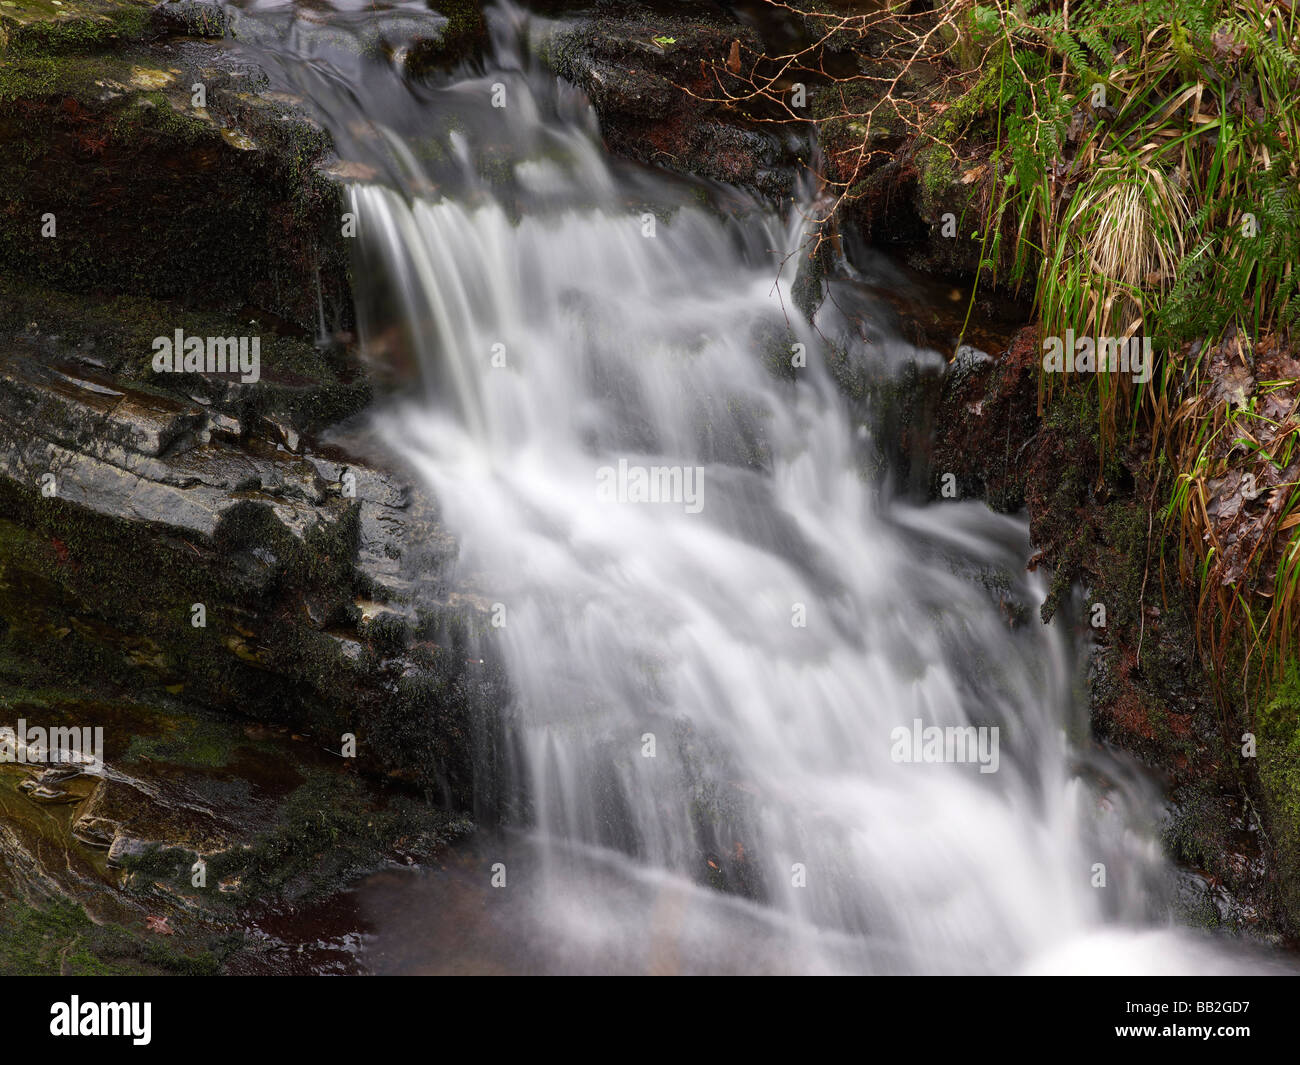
[(726, 630)]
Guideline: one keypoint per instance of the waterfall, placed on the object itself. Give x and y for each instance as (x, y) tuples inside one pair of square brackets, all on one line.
[(725, 635)]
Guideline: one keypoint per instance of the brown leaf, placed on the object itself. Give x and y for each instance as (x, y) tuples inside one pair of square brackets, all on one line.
[(1279, 367), (1225, 44), (733, 60)]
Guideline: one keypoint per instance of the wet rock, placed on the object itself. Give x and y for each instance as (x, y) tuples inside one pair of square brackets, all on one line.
[(172, 153), (276, 548), (80, 409), (125, 848), (96, 832), (47, 793), (105, 452), (350, 648), (983, 403), (462, 34), (102, 353), (195, 18), (72, 26), (283, 432), (652, 79), (401, 546)]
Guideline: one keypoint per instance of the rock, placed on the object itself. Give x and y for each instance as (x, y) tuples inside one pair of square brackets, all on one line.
[(283, 432), (102, 356), (463, 33), (401, 545), (654, 100), (147, 522), (105, 452), (223, 202), (123, 849), (95, 831), (72, 26), (56, 774), (195, 18), (980, 401), (198, 557)]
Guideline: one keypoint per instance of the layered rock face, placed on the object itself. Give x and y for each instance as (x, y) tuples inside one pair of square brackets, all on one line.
[(222, 571)]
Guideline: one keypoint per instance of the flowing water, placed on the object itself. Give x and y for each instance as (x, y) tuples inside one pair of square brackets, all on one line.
[(701, 766)]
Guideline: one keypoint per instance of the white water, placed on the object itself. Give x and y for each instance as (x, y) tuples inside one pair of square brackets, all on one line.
[(625, 620)]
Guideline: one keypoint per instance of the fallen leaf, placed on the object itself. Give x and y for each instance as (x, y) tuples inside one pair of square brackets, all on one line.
[(1225, 44), (733, 60)]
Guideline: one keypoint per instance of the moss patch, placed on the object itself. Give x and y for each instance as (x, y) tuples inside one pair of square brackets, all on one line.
[(42, 27), (312, 386), (330, 831), (58, 939), (1278, 727), (150, 195)]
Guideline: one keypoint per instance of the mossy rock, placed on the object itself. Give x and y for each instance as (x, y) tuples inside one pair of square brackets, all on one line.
[(63, 27), (306, 384), (1278, 738), (58, 938), (115, 181)]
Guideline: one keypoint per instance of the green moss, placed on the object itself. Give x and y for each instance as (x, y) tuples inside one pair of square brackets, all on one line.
[(111, 608), (58, 938), (1277, 730), (300, 381), (977, 106), (938, 170), (329, 831), (40, 28), (191, 742), (774, 341), (851, 111), (939, 193), (464, 18), (808, 289), (109, 144)]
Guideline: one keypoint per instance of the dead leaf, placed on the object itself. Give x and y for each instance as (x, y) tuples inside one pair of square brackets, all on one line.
[(733, 60), (1225, 44)]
